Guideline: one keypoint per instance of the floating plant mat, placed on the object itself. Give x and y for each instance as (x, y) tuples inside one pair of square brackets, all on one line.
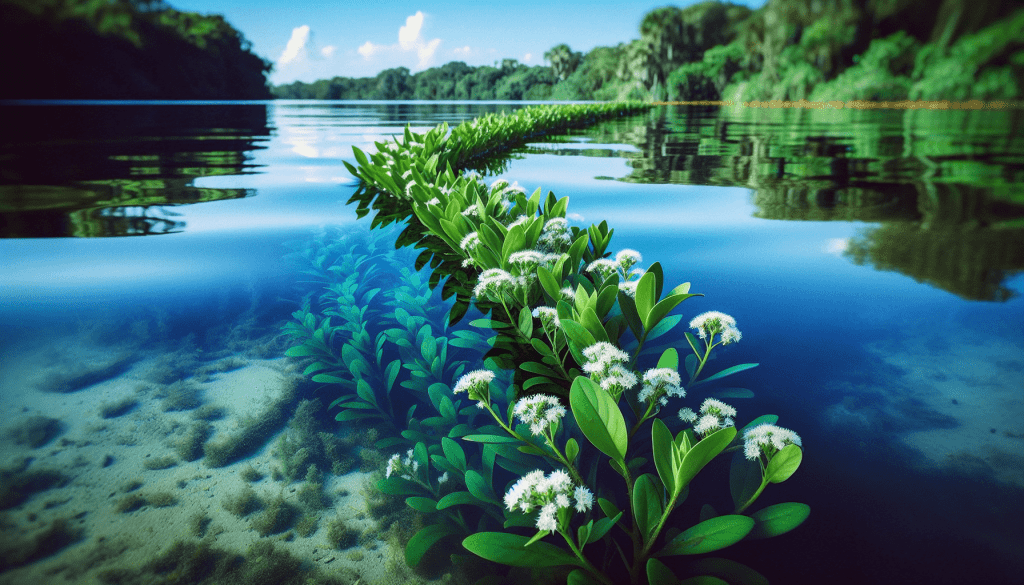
[(505, 445)]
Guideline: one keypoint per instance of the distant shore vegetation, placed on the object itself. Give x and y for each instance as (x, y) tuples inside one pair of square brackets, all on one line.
[(786, 50), (818, 50), (124, 49)]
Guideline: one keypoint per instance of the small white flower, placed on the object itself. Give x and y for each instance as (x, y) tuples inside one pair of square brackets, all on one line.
[(629, 287), (443, 478), (717, 408), (518, 221), (546, 519), (687, 415), (714, 323), (477, 385), (584, 499), (434, 201), (603, 266), (406, 174), (540, 411), (706, 424), (470, 242), (568, 294), (526, 260), (548, 316), (494, 281), (628, 258), (768, 439)]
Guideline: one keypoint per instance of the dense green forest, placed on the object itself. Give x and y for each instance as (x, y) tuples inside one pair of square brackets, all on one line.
[(123, 49), (788, 49)]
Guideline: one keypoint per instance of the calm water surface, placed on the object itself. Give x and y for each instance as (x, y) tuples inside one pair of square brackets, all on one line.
[(872, 260)]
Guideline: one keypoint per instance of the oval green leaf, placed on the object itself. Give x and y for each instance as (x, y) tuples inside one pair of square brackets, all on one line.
[(599, 417), (710, 535), (778, 519), (509, 549)]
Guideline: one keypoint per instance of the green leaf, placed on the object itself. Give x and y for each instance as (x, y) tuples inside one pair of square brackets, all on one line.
[(602, 526), (702, 453), (581, 577), (647, 506), (301, 351), (660, 574), (669, 359), (663, 449), (729, 372), (421, 504), (572, 449), (577, 333), (645, 296), (710, 535), (479, 487), (599, 417), (458, 499), (490, 439), (453, 452), (526, 322), (608, 507), (588, 318), (509, 549), (549, 284), (421, 542), (731, 571), (398, 486), (733, 393), (744, 478), (778, 519), (784, 464), (661, 309)]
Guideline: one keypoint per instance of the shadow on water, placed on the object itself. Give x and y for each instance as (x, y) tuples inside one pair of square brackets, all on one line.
[(110, 170)]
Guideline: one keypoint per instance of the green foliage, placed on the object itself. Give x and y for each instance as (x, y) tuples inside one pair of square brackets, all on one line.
[(115, 50), (986, 65), (557, 308)]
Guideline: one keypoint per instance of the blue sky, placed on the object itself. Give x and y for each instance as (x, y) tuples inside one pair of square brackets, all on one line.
[(324, 38)]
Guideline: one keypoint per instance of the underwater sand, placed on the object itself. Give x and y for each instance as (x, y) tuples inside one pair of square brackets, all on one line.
[(958, 402), (103, 457)]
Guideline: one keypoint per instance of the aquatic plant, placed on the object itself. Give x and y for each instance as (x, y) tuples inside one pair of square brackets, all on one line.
[(574, 324)]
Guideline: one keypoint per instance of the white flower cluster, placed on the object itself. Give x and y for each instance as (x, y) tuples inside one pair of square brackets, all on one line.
[(477, 385), (714, 323), (402, 467), (528, 260), (470, 242), (518, 221), (627, 259), (540, 411), (768, 439), (714, 414), (568, 294), (604, 267), (494, 282), (548, 317), (551, 493), (555, 236), (659, 384), (605, 366)]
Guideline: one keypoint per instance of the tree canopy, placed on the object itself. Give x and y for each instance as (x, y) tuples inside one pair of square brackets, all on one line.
[(124, 49)]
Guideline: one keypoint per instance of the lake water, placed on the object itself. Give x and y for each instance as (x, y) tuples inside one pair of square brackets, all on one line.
[(872, 260)]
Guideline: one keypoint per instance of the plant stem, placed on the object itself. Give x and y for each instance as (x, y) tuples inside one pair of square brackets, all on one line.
[(586, 564)]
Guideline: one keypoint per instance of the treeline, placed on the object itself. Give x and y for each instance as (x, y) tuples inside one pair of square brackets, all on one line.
[(123, 49), (787, 49)]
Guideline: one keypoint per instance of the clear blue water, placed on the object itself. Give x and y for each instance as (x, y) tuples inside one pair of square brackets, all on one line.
[(908, 394)]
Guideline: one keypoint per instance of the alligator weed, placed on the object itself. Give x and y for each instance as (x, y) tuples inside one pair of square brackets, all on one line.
[(502, 430)]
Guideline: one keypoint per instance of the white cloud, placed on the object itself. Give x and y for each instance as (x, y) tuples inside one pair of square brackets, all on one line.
[(328, 51), (462, 50), (296, 46), (528, 57), (410, 40)]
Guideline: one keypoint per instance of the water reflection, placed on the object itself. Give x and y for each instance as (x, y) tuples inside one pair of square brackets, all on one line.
[(943, 185), (101, 170)]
